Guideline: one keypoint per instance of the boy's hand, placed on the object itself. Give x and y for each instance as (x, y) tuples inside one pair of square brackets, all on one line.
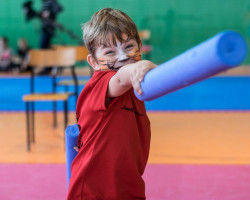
[(137, 76), (76, 148), (129, 75)]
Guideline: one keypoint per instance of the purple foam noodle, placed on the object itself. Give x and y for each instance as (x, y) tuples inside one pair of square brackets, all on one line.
[(71, 135), (219, 53)]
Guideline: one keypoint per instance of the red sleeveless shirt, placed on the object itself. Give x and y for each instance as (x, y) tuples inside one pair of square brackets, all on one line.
[(114, 142)]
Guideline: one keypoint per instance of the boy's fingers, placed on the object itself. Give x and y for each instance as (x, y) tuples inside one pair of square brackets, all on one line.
[(137, 88), (76, 148)]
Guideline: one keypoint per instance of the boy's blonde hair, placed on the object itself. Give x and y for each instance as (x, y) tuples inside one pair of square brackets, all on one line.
[(108, 21)]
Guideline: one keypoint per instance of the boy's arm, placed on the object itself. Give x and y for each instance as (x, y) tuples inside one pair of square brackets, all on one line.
[(128, 76)]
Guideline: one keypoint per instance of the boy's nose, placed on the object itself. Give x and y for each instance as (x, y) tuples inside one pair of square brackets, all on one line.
[(122, 57)]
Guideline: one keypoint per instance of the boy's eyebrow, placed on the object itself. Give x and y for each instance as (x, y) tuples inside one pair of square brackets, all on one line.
[(128, 39), (105, 45)]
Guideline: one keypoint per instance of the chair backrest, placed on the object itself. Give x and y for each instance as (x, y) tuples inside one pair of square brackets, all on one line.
[(81, 51), (50, 57), (65, 57), (40, 58)]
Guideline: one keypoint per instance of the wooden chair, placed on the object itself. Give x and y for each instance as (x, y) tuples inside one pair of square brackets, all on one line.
[(47, 58), (81, 51), (81, 56)]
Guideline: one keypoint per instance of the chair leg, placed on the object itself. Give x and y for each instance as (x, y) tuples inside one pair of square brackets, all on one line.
[(66, 88), (65, 114), (33, 122), (28, 125), (75, 82), (54, 114), (65, 120), (54, 73), (65, 117)]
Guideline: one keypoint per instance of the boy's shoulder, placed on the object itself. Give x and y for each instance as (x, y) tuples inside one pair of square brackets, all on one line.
[(95, 89), (98, 82), (101, 76)]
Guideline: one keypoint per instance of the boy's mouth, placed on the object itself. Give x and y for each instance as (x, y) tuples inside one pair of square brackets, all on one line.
[(115, 68), (117, 65)]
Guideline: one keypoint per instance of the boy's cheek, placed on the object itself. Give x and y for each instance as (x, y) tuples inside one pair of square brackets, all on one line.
[(135, 54), (138, 56), (104, 64)]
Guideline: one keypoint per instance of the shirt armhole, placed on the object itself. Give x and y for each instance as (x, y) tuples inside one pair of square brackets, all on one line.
[(100, 90)]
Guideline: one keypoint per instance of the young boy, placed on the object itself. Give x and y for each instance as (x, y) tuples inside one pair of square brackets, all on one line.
[(114, 136)]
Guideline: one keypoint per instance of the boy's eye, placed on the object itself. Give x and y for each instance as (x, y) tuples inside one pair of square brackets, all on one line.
[(129, 46), (109, 52)]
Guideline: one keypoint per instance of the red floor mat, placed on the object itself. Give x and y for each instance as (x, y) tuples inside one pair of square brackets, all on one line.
[(163, 182)]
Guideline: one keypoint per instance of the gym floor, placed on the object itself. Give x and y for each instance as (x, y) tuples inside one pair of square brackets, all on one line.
[(177, 138), (194, 155)]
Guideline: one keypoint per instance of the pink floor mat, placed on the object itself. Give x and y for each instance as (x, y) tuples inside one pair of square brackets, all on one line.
[(163, 182)]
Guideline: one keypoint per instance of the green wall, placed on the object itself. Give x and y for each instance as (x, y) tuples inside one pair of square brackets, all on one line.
[(176, 25)]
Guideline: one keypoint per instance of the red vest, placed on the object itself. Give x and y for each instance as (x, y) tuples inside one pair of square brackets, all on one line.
[(114, 144)]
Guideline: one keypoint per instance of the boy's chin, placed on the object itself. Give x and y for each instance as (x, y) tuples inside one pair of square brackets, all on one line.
[(117, 68), (105, 68)]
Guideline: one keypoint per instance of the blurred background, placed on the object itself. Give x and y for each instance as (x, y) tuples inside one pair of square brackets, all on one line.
[(175, 26), (200, 146)]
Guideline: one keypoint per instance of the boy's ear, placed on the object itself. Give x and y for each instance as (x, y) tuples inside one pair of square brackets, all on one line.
[(92, 62), (140, 45)]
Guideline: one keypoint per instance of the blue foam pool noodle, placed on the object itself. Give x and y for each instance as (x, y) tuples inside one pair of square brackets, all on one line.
[(71, 134), (221, 52)]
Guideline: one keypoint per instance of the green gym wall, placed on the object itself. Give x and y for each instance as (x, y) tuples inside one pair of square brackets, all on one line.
[(175, 25)]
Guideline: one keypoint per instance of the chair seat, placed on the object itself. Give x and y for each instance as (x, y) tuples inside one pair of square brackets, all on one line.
[(46, 97), (71, 82)]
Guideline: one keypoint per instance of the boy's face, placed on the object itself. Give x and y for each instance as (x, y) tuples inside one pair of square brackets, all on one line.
[(114, 56)]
